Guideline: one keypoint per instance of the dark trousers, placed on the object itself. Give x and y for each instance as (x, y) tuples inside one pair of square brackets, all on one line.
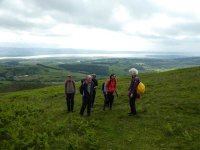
[(93, 98), (86, 103), (70, 102), (132, 104), (110, 98)]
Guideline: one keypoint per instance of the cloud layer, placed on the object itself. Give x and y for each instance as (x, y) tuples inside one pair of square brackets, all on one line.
[(148, 25)]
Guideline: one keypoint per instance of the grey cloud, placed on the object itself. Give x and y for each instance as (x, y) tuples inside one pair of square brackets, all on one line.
[(14, 18), (20, 24), (187, 44), (191, 28), (93, 13), (96, 13), (140, 9), (14, 23), (188, 30)]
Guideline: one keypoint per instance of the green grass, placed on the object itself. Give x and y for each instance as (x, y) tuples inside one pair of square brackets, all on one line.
[(168, 117)]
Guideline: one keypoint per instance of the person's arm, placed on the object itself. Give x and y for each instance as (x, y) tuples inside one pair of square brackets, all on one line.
[(131, 86), (130, 90)]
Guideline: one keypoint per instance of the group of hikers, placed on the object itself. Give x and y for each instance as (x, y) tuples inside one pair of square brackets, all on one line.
[(88, 89)]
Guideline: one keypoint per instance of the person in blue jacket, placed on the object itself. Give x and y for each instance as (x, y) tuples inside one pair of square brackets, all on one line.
[(132, 91), (105, 95)]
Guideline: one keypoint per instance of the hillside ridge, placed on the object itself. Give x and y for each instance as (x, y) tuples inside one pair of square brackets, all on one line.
[(168, 117)]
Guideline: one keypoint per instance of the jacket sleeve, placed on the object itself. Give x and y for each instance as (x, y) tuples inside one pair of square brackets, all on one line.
[(131, 86)]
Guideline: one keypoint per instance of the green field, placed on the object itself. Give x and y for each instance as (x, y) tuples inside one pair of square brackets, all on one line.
[(168, 117)]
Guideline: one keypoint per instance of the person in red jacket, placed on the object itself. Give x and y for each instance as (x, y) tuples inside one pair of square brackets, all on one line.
[(111, 86)]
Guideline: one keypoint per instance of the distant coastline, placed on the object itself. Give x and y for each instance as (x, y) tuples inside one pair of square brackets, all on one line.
[(16, 53)]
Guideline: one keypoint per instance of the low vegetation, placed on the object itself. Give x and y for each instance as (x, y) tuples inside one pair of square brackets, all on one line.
[(168, 117)]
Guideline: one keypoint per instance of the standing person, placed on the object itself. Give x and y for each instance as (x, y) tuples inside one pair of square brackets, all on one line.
[(111, 86), (105, 95), (87, 90), (95, 81), (132, 93), (70, 90)]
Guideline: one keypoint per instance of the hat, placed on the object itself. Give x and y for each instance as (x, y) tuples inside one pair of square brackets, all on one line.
[(69, 76), (133, 71)]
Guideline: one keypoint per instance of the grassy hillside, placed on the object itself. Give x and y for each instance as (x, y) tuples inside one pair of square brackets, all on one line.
[(168, 117)]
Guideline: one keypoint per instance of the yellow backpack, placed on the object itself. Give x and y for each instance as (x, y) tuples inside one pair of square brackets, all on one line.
[(140, 88)]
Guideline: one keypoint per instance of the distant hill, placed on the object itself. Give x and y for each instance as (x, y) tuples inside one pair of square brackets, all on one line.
[(168, 117), (52, 70)]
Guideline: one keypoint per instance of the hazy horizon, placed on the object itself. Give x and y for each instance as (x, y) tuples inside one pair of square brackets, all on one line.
[(44, 53)]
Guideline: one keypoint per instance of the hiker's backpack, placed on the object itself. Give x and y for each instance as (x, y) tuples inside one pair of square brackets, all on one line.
[(140, 88)]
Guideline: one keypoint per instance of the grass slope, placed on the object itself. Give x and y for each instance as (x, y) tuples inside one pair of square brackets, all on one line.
[(168, 117)]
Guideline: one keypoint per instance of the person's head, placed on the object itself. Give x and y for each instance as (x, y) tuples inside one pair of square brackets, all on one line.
[(133, 72), (69, 77), (112, 76), (89, 78), (94, 76)]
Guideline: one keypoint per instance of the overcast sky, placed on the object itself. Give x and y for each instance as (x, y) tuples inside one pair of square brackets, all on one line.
[(135, 25)]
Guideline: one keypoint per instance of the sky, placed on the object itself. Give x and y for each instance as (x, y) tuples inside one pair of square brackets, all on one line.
[(113, 25)]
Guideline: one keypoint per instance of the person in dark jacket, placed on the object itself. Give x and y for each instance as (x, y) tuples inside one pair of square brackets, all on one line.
[(132, 93), (95, 81), (87, 90), (70, 90)]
